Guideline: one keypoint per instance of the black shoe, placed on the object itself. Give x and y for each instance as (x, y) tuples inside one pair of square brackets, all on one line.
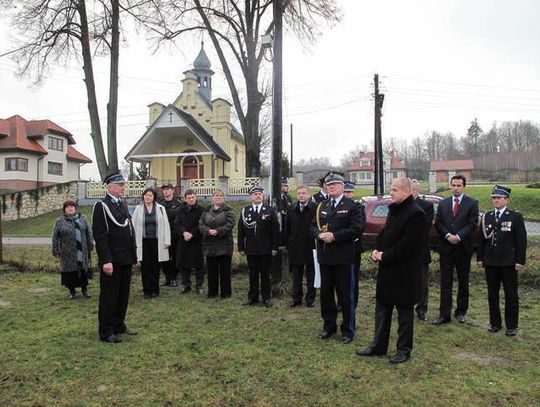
[(85, 293), (154, 295), (460, 318), (399, 358), (250, 302), (185, 290), (72, 296), (494, 329), (295, 304), (511, 332), (441, 320), (346, 339), (326, 334), (111, 339), (421, 316), (128, 332), (166, 284), (369, 351), (173, 283), (268, 303), (147, 296), (310, 304), (199, 290)]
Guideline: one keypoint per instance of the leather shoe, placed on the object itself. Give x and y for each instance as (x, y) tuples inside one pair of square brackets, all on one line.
[(112, 339), (185, 290), (441, 320), (494, 329), (460, 318), (309, 304), (346, 339), (129, 332), (295, 304), (422, 316), (511, 332), (250, 302), (268, 304), (326, 334), (369, 352), (399, 358)]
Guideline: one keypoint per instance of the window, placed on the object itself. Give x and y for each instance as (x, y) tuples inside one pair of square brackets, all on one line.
[(55, 168), (16, 164), (380, 211), (56, 144), (365, 163)]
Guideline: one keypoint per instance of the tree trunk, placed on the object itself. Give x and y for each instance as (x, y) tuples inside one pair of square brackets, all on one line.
[(112, 106)]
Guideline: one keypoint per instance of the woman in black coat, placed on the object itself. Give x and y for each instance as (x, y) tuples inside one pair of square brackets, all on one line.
[(216, 225), (190, 253)]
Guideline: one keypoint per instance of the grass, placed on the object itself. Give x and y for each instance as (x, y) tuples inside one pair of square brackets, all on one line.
[(192, 351)]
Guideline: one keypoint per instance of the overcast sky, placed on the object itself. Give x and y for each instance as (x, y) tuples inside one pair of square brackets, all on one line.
[(441, 64)]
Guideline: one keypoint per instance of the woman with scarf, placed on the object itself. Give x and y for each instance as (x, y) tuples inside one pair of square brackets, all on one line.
[(72, 242)]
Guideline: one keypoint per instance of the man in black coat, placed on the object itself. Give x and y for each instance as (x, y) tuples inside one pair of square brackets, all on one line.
[(456, 220), (337, 223), (400, 262), (171, 204), (258, 239), (427, 207), (115, 247), (300, 245), (323, 193), (501, 251), (189, 252)]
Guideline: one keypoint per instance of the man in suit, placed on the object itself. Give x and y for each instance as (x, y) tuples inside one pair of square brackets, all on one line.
[(456, 220), (349, 193), (337, 223), (115, 246), (300, 245), (258, 240), (427, 207), (501, 251), (400, 263), (171, 204)]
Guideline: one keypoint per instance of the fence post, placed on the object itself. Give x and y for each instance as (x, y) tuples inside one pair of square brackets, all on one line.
[(223, 184)]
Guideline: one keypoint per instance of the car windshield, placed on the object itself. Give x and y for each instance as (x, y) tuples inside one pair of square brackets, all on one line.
[(380, 211)]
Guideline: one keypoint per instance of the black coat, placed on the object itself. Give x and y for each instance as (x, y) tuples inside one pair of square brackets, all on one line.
[(427, 207), (398, 279), (171, 207), (346, 222), (503, 243), (464, 224), (319, 197), (222, 219), (114, 244), (190, 253), (285, 201), (258, 234), (300, 243)]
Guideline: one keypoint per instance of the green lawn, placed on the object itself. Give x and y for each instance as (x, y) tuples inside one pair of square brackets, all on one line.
[(192, 351)]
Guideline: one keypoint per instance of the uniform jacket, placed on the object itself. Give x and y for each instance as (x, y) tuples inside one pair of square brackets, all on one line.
[(398, 279), (506, 241), (319, 197), (171, 207), (114, 237), (299, 242), (463, 224), (346, 222), (258, 234), (163, 231), (427, 207), (190, 254), (64, 243), (222, 219)]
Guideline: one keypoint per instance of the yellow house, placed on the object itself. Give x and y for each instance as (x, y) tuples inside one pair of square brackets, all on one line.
[(193, 137)]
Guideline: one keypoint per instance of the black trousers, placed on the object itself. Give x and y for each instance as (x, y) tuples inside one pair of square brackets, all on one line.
[(422, 305), (150, 267), (508, 277), (461, 261), (356, 269), (186, 277), (169, 267), (297, 283), (338, 279), (259, 268), (219, 276), (383, 323), (113, 300)]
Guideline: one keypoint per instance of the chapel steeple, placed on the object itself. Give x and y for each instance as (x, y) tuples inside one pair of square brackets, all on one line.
[(201, 67)]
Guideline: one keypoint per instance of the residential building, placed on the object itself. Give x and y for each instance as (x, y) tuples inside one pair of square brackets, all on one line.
[(362, 170), (446, 169)]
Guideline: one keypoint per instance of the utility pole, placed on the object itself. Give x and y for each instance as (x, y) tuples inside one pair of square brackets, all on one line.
[(277, 120), (291, 166), (378, 185)]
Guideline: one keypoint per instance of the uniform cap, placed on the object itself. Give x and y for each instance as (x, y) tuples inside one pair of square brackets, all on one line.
[(114, 178), (167, 185), (255, 188), (334, 178), (284, 181), (500, 191), (349, 186)]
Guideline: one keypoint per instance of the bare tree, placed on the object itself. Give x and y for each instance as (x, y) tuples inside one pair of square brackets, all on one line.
[(54, 32), (235, 27)]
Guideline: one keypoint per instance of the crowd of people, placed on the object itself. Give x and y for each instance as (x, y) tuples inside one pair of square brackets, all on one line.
[(322, 236)]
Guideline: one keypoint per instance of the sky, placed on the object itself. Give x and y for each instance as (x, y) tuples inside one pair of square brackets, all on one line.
[(440, 65)]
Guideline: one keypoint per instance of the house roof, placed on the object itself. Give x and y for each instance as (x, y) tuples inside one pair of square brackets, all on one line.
[(445, 165), (192, 124), (395, 163), (19, 134)]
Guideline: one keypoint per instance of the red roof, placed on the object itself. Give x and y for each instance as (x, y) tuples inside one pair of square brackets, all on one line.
[(443, 165), (16, 133), (395, 163)]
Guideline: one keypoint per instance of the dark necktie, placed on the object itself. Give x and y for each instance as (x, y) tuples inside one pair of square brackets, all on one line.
[(256, 211), (333, 204), (497, 215), (456, 207), (301, 207)]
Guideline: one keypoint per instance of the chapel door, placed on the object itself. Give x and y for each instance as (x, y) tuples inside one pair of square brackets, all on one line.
[(190, 168)]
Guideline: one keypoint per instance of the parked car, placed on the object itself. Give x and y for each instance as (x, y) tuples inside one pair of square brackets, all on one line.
[(377, 210)]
